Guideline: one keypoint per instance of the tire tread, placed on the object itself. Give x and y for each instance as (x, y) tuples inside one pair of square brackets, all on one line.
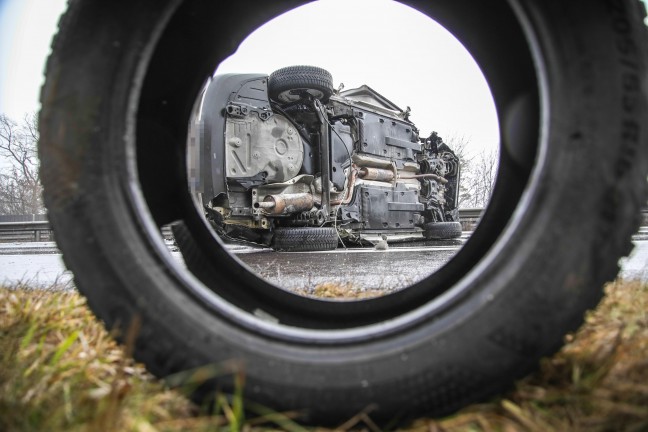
[(305, 239)]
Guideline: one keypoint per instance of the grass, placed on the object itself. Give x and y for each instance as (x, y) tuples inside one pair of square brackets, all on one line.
[(61, 371), (339, 291)]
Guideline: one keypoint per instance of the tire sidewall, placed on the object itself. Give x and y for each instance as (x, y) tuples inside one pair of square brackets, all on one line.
[(584, 147)]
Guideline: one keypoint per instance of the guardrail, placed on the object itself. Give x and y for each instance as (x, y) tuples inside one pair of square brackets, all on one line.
[(42, 231), (38, 231), (26, 231), (470, 213), (469, 218)]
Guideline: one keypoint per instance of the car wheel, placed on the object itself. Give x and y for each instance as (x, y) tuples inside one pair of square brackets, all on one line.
[(568, 83), (442, 230), (305, 239), (288, 84)]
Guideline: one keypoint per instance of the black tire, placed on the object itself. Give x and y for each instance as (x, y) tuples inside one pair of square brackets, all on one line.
[(287, 84), (305, 239), (567, 82), (442, 230)]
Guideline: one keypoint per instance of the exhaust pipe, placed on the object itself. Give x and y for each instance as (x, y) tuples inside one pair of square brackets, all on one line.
[(284, 204)]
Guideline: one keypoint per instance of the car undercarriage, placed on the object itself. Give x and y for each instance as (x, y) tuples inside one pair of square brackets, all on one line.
[(286, 161)]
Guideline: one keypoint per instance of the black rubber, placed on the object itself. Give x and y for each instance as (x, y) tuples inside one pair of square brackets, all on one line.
[(305, 239), (286, 84), (567, 81), (442, 230)]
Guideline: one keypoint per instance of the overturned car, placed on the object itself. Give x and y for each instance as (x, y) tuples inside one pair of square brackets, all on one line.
[(286, 161)]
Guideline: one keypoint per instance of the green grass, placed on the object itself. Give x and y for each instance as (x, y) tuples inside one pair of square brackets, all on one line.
[(61, 371)]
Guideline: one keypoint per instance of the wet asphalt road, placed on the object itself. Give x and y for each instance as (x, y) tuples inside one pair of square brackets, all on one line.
[(39, 264), (358, 268), (369, 269)]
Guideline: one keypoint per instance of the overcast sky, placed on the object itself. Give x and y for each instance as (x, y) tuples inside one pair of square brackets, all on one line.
[(396, 50), (26, 29)]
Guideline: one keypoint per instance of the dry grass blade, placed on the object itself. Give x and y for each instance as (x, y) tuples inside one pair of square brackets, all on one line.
[(595, 383), (61, 371), (362, 418)]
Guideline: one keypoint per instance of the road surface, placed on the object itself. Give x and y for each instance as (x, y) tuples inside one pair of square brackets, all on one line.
[(40, 265), (362, 269)]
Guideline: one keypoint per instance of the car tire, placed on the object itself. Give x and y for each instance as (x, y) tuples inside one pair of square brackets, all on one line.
[(567, 81), (305, 239), (287, 84), (442, 230)]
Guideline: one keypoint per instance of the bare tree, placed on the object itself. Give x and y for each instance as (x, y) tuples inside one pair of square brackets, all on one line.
[(478, 173), (479, 179), (459, 145), (20, 188)]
